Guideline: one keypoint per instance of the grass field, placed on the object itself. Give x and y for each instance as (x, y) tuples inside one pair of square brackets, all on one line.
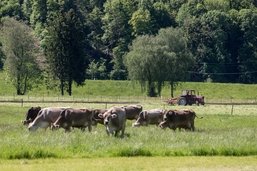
[(217, 134), (225, 139), (135, 164), (102, 89)]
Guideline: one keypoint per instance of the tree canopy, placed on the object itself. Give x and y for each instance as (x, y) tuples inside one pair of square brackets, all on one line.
[(152, 60), (219, 36)]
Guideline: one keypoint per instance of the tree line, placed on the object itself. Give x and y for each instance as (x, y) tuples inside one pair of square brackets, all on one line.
[(62, 42)]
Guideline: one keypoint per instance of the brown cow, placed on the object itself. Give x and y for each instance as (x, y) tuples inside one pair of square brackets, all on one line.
[(45, 118), (76, 118), (153, 116), (114, 121), (31, 115), (179, 119), (132, 111)]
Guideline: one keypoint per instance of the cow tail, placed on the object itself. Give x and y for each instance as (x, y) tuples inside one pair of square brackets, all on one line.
[(198, 116)]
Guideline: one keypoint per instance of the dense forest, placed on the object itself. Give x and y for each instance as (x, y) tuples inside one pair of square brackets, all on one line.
[(62, 42)]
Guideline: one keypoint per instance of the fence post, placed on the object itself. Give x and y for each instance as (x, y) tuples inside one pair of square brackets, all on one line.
[(21, 102), (232, 109)]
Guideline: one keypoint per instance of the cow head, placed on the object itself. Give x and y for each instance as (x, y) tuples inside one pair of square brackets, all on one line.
[(165, 122), (96, 118), (32, 127), (31, 115), (141, 120), (107, 117)]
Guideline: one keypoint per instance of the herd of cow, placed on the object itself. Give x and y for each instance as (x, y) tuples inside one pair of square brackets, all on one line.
[(114, 119)]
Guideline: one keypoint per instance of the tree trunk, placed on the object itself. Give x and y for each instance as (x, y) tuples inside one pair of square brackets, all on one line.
[(18, 88), (171, 89), (62, 87), (151, 89), (25, 85), (70, 87)]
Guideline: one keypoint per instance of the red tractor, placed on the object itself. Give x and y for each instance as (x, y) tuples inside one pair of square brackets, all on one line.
[(188, 97)]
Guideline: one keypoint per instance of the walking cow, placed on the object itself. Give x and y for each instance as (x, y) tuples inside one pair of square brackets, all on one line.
[(179, 119), (114, 121), (76, 118)]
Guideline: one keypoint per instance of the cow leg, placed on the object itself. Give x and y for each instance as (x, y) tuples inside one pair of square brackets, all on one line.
[(193, 126), (68, 129), (116, 133), (107, 131), (123, 130), (83, 128), (89, 127)]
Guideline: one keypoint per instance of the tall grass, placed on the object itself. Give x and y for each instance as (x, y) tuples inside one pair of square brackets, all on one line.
[(216, 135)]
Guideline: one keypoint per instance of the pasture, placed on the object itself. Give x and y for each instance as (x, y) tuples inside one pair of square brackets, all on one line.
[(218, 134), (221, 140)]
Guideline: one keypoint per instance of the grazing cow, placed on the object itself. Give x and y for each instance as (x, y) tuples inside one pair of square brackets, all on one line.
[(153, 116), (31, 115), (76, 118), (96, 119), (45, 118), (179, 119), (114, 121), (132, 111)]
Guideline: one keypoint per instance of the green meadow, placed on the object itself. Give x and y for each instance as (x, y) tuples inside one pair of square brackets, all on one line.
[(110, 89), (217, 134), (225, 138)]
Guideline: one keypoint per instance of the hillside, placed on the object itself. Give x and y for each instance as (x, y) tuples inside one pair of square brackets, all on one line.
[(103, 88)]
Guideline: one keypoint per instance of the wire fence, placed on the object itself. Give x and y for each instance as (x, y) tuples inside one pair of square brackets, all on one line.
[(112, 100)]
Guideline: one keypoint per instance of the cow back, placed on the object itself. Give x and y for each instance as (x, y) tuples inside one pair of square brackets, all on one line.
[(132, 111)]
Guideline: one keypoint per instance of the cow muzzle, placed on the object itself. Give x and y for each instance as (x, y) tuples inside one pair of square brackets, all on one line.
[(32, 128), (106, 122), (26, 122)]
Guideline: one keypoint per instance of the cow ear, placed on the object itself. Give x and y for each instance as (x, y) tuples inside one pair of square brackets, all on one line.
[(171, 112), (114, 115), (100, 115)]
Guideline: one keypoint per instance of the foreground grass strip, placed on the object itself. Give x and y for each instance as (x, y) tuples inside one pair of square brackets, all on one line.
[(134, 163)]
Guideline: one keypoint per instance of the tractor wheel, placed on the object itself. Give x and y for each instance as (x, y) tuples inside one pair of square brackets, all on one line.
[(182, 101)]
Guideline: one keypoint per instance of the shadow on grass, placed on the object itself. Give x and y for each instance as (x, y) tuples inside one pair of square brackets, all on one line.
[(133, 153), (32, 155)]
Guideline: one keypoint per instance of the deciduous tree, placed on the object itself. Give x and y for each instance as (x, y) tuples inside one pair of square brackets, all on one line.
[(152, 60), (21, 50)]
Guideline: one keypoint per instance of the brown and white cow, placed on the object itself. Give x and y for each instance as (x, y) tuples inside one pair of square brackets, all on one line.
[(76, 118), (132, 111), (45, 118), (146, 117), (31, 115), (114, 121), (179, 119)]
